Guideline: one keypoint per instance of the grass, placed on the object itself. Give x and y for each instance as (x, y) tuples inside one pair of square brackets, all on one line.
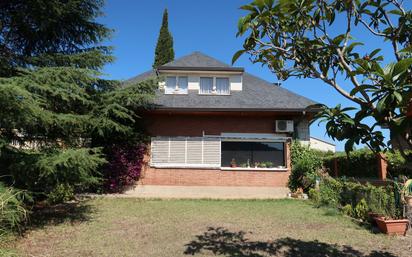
[(135, 227)]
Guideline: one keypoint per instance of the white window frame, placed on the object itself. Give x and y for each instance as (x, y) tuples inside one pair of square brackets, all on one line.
[(177, 90), (214, 88)]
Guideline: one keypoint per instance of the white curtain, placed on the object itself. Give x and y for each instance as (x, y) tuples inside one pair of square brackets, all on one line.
[(182, 83), (170, 85), (222, 86), (206, 85)]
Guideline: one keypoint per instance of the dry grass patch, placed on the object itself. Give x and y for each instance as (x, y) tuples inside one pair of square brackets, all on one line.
[(135, 227)]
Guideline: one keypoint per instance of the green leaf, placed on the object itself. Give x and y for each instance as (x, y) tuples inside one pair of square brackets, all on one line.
[(381, 104), (398, 96), (237, 55), (362, 88), (401, 66), (374, 52)]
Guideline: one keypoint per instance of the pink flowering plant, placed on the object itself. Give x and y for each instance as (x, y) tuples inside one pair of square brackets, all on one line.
[(124, 167)]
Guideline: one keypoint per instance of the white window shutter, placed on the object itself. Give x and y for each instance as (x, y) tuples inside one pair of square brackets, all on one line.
[(188, 152), (160, 150), (177, 150), (211, 151), (194, 150)]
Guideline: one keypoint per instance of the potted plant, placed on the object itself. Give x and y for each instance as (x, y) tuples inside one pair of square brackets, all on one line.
[(233, 163), (395, 225), (392, 226)]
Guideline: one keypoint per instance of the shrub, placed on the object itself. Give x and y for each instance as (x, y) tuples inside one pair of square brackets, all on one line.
[(124, 167), (305, 165), (347, 210), (360, 164), (363, 164), (61, 193), (361, 210), (12, 211), (340, 194), (329, 192), (397, 165), (314, 195), (43, 173)]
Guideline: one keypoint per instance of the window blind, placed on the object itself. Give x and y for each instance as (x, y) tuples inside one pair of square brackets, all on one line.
[(186, 151)]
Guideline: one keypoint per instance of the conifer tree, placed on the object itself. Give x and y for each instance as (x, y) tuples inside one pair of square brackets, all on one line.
[(164, 48), (56, 112)]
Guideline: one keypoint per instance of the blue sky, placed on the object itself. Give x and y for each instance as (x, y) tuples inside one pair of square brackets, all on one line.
[(208, 26)]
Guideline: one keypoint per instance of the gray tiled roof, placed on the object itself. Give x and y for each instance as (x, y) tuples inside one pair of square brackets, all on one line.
[(257, 94)]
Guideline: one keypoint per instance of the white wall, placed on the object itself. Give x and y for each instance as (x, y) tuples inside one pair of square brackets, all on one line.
[(235, 81), (321, 145)]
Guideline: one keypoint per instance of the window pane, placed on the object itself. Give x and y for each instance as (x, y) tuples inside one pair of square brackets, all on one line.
[(170, 85), (240, 152), (262, 154), (222, 86), (271, 154), (182, 83), (206, 85)]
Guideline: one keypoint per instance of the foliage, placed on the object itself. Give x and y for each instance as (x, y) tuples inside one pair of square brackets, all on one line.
[(302, 39), (60, 193), (408, 188), (362, 199), (44, 173), (12, 212), (398, 165), (56, 110), (347, 210), (124, 167), (305, 165), (361, 210), (363, 164), (164, 48), (358, 164)]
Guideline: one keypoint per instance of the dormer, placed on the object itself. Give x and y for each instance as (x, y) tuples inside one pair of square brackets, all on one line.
[(201, 74)]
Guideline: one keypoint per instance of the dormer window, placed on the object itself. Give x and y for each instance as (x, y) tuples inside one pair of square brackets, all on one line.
[(214, 85), (176, 85)]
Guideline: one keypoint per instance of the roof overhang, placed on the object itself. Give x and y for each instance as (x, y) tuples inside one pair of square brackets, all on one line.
[(277, 110)]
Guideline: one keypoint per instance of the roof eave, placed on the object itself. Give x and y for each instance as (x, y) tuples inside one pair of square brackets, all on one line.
[(288, 110)]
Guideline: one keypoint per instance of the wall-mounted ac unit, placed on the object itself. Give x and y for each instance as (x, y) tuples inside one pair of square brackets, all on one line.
[(284, 126)]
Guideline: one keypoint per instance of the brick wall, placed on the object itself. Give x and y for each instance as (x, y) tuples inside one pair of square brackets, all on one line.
[(195, 125), (205, 177)]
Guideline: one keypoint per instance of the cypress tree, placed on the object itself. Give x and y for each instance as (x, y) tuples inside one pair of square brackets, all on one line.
[(164, 48)]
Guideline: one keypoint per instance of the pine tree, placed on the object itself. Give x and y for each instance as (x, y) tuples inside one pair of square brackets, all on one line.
[(164, 48), (53, 98)]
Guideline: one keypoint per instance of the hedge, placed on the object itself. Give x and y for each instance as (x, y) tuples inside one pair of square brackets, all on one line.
[(355, 199), (364, 164)]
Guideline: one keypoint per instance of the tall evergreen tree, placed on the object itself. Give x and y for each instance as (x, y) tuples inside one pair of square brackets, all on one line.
[(53, 100), (164, 48)]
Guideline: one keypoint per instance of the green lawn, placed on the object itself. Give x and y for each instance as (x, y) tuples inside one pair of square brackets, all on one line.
[(167, 228)]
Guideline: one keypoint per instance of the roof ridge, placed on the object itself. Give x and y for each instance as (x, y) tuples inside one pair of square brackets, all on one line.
[(195, 57)]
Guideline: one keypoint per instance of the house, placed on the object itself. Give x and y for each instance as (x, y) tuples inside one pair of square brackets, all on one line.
[(321, 145), (214, 124)]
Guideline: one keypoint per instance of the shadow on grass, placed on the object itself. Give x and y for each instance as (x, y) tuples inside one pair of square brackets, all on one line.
[(221, 241), (74, 213)]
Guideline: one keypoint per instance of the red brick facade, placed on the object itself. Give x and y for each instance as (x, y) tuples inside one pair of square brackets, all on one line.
[(165, 124)]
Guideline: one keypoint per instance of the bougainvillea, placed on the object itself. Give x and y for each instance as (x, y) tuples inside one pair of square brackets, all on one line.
[(124, 167)]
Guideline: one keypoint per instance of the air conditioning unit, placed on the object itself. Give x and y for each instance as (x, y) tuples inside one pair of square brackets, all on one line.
[(284, 126)]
